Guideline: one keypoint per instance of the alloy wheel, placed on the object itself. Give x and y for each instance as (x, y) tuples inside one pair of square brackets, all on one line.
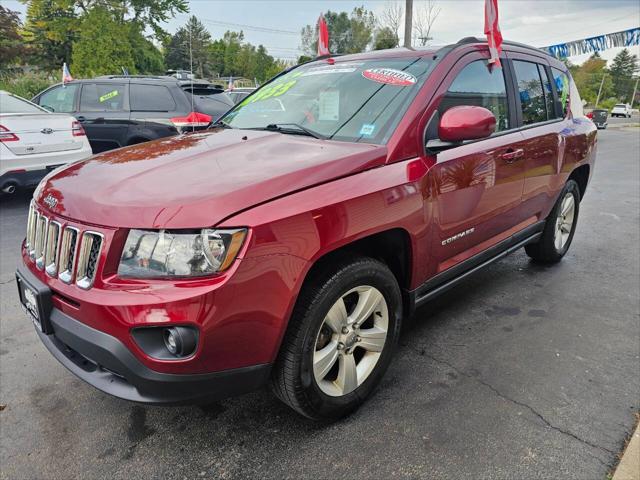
[(350, 340), (564, 222)]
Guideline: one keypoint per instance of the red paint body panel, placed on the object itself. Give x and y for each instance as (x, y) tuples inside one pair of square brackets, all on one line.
[(300, 198), (198, 179)]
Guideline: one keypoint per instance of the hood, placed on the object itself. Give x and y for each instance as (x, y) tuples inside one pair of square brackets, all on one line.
[(197, 180)]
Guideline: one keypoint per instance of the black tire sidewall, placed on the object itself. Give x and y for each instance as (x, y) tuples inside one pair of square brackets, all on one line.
[(371, 273), (570, 187)]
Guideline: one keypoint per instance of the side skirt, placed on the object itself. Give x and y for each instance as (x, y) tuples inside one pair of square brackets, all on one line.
[(443, 281)]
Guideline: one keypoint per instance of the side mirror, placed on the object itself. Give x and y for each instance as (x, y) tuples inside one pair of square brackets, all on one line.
[(466, 123)]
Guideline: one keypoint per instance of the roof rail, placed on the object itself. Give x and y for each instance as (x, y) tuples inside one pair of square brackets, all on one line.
[(155, 77), (466, 40)]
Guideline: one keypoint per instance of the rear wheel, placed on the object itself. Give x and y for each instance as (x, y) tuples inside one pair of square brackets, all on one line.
[(559, 228), (340, 340)]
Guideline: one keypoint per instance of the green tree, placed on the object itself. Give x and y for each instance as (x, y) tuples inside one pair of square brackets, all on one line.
[(623, 66), (103, 45), (11, 46), (347, 33), (385, 38), (191, 41), (589, 76), (50, 29), (146, 56)]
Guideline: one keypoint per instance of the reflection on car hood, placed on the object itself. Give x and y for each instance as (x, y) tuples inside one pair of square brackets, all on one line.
[(199, 179)]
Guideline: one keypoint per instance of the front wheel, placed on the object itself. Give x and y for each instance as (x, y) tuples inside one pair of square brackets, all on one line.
[(340, 339), (559, 227)]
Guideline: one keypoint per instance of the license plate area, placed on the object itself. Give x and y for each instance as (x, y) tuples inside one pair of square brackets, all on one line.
[(36, 302)]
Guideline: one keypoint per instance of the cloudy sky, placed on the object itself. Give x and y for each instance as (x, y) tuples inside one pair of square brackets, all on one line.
[(277, 23)]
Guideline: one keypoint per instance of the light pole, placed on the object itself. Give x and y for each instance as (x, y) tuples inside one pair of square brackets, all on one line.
[(408, 23)]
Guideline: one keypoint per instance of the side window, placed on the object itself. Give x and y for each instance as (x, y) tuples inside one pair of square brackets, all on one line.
[(548, 92), (476, 85), (60, 99), (151, 98), (105, 97), (561, 80), (532, 98)]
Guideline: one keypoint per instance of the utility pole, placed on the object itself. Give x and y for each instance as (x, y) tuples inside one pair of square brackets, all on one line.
[(408, 23), (635, 89), (600, 89)]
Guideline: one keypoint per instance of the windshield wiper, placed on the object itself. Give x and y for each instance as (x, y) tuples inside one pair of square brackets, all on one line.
[(220, 124), (297, 129)]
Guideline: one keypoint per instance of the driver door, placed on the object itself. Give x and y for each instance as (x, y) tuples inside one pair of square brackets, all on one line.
[(477, 187)]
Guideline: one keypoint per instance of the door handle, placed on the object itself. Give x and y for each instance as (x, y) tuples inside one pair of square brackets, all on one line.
[(512, 155)]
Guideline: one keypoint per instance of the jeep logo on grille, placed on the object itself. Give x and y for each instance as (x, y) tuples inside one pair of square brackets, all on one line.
[(50, 201)]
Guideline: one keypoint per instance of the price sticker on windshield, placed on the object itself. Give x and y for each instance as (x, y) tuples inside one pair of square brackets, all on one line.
[(389, 76)]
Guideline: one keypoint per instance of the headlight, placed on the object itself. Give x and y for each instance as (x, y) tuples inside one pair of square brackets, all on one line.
[(175, 253)]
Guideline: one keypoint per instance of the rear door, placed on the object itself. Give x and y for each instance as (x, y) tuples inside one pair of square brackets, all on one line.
[(542, 124), (152, 107), (477, 187), (104, 114)]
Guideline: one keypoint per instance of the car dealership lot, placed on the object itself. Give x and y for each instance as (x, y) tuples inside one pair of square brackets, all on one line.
[(523, 371)]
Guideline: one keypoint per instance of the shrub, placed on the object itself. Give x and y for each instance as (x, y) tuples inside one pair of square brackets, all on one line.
[(26, 85)]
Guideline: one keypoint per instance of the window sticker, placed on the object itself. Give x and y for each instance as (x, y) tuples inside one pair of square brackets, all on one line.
[(390, 76), (329, 105), (109, 95), (367, 129)]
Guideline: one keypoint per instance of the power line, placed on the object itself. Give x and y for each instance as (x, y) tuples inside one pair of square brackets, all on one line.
[(249, 27)]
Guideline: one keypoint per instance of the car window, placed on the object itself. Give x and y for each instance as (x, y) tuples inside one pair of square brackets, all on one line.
[(106, 97), (561, 81), (11, 104), (151, 98), (532, 98), (548, 93), (478, 85), (349, 101), (60, 99)]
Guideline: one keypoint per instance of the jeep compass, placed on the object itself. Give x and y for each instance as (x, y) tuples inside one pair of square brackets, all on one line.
[(285, 245)]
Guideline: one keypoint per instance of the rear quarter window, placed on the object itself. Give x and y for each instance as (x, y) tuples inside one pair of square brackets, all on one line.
[(151, 98)]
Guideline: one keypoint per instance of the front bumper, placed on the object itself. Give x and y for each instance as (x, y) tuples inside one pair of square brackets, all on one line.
[(106, 363)]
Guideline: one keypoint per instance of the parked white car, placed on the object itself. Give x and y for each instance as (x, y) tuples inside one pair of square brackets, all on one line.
[(621, 110), (34, 141)]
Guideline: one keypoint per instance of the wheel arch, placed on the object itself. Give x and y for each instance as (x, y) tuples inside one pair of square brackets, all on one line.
[(392, 247), (581, 176)]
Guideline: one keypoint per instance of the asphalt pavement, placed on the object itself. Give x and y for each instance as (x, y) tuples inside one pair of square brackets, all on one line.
[(522, 372)]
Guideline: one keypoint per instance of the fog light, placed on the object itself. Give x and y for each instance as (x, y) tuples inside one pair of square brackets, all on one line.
[(172, 340), (180, 341)]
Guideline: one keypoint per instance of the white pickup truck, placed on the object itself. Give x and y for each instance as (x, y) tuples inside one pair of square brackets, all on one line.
[(621, 110)]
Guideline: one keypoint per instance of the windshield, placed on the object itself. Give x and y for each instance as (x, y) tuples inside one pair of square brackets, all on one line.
[(621, 105), (351, 101), (11, 104)]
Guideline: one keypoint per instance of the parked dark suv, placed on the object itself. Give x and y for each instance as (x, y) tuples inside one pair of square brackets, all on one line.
[(116, 111)]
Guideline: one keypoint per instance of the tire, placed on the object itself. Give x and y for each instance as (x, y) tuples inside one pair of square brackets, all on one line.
[(549, 248), (318, 385)]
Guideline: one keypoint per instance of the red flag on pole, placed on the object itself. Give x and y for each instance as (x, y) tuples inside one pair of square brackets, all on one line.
[(323, 37), (492, 31)]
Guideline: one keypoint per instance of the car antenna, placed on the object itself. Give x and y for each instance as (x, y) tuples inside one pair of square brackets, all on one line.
[(193, 128)]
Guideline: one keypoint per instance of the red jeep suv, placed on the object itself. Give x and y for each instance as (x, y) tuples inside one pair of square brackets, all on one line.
[(286, 244)]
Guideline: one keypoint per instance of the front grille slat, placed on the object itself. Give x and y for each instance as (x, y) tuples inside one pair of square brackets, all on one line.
[(68, 254), (41, 236), (51, 249), (88, 258), (31, 229), (62, 250)]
